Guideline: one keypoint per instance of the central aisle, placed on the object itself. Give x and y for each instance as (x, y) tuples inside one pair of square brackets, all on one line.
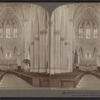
[(11, 81), (89, 82)]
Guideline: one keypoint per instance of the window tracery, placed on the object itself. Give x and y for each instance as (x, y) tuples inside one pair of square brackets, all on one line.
[(81, 32), (89, 30), (88, 35), (9, 28), (95, 32), (1, 32), (15, 32), (8, 31)]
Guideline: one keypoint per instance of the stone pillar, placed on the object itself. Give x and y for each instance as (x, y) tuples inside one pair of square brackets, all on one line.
[(42, 52), (62, 58), (78, 58), (51, 46), (68, 61), (65, 57), (25, 28), (36, 32), (36, 54), (18, 59), (31, 57), (71, 32), (62, 40), (57, 51)]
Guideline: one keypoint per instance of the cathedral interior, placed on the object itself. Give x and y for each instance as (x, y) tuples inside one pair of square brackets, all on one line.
[(57, 51), (75, 45)]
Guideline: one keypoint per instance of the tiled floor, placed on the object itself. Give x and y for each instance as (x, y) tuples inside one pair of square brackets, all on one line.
[(89, 82), (11, 81)]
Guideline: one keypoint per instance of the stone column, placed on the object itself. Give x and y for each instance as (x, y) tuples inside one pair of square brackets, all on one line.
[(31, 57), (71, 32), (18, 59), (68, 61), (62, 49), (57, 51), (62, 40), (78, 58), (36, 54), (51, 46), (42, 52)]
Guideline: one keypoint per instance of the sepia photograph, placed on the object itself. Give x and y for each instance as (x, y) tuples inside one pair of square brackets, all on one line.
[(58, 51), (24, 56), (75, 47)]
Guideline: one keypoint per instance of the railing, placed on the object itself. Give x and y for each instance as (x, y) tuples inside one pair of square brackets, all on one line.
[(97, 74), (1, 75), (78, 78), (40, 81), (35, 81), (67, 82)]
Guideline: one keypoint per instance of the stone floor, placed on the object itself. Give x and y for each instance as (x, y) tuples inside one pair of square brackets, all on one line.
[(11, 81), (89, 82)]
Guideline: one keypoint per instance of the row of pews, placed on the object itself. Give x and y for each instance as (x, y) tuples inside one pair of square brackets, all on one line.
[(2, 73), (96, 73), (66, 80), (34, 79)]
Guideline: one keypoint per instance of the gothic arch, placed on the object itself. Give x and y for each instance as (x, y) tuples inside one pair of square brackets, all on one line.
[(81, 14)]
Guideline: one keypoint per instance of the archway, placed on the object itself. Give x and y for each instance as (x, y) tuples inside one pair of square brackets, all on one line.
[(10, 39), (87, 36)]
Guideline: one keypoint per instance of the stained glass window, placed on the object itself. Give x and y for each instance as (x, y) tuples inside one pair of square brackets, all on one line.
[(1, 32), (15, 32), (95, 33), (8, 31), (80, 32), (88, 35)]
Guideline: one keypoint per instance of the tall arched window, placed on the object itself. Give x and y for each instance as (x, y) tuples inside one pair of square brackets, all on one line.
[(8, 30), (15, 32), (1, 32), (95, 32), (88, 34), (81, 32)]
